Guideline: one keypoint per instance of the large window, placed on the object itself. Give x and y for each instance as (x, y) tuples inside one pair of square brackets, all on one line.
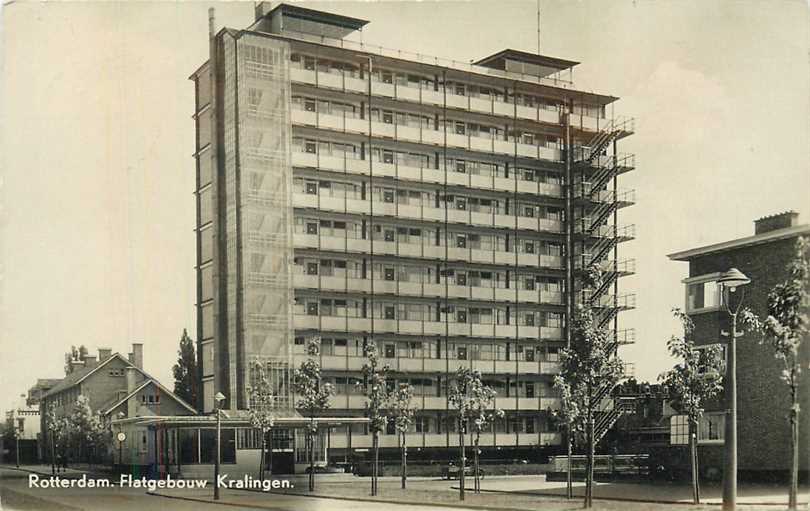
[(710, 429), (703, 295)]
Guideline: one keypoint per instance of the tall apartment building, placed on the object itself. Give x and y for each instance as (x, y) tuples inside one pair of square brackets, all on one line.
[(442, 210)]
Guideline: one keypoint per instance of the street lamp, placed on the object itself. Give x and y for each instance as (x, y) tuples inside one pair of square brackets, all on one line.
[(731, 279), (218, 398)]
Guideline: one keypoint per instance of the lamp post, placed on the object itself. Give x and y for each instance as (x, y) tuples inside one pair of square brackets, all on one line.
[(218, 399), (732, 279)]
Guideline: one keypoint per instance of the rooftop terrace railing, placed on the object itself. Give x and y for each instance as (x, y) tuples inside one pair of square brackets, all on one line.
[(553, 81)]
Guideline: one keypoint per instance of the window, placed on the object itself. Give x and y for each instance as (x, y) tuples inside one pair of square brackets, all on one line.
[(390, 351), (312, 268), (310, 147), (312, 308), (389, 312), (528, 247), (312, 228), (388, 196), (389, 235), (702, 295), (461, 316), (312, 188), (389, 274), (711, 428), (461, 352)]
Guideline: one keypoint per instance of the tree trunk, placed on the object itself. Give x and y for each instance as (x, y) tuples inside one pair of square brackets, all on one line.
[(794, 447), (569, 483), (693, 457), (463, 461), (404, 462), (311, 436), (261, 458), (589, 477), (477, 482), (374, 463)]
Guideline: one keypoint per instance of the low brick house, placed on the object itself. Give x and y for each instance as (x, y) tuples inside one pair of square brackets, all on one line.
[(762, 398), (116, 386)]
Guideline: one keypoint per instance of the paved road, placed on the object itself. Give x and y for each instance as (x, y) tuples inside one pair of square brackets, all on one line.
[(16, 495)]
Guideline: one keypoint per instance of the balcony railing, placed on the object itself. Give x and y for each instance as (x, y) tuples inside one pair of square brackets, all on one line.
[(344, 362), (425, 213), (425, 288), (420, 174), (420, 327), (351, 124), (422, 440), (412, 93), (423, 251)]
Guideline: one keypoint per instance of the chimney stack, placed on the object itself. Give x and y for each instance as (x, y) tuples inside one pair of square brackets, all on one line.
[(775, 222), (132, 403), (137, 354), (104, 354), (90, 361)]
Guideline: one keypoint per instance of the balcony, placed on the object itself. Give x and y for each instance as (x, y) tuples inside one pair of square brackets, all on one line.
[(422, 328), (425, 251), (423, 174), (420, 135), (428, 96)]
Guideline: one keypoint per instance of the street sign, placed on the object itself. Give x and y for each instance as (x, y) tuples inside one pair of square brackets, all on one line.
[(121, 436)]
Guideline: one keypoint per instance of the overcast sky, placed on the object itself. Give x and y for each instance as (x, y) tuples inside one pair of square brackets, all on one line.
[(97, 175)]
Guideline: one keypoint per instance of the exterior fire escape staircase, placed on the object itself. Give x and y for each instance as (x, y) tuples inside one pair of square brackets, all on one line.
[(596, 203)]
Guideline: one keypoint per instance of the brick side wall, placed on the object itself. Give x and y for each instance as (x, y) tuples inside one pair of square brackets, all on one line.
[(762, 398)]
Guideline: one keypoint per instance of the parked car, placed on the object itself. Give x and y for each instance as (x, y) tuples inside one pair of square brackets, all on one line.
[(452, 470)]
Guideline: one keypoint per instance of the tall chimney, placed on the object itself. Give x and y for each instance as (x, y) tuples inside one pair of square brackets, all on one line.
[(137, 354), (104, 354), (90, 361), (132, 403)]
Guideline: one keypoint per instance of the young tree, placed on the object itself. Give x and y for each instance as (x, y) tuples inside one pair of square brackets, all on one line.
[(376, 390), (88, 429), (261, 406), (784, 330), (696, 378), (185, 371), (589, 371), (402, 411), (314, 397), (482, 414), (460, 398)]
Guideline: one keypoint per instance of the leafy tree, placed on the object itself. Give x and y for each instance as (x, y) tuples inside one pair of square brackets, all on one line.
[(460, 398), (695, 378), (185, 371), (314, 397), (784, 330), (261, 406), (589, 371), (402, 411), (376, 392), (87, 430), (482, 414)]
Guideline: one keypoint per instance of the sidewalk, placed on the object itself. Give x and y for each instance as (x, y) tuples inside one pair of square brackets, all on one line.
[(659, 492), (420, 494)]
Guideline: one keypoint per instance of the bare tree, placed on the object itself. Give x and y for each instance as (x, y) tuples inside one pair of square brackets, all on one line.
[(695, 378)]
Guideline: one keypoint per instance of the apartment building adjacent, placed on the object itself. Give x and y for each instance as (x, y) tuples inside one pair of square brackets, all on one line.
[(763, 442), (442, 210)]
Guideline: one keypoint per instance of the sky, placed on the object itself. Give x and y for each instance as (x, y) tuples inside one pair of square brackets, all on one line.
[(96, 134)]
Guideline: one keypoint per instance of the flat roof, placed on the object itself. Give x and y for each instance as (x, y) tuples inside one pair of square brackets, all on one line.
[(318, 16), (757, 239), (530, 58)]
